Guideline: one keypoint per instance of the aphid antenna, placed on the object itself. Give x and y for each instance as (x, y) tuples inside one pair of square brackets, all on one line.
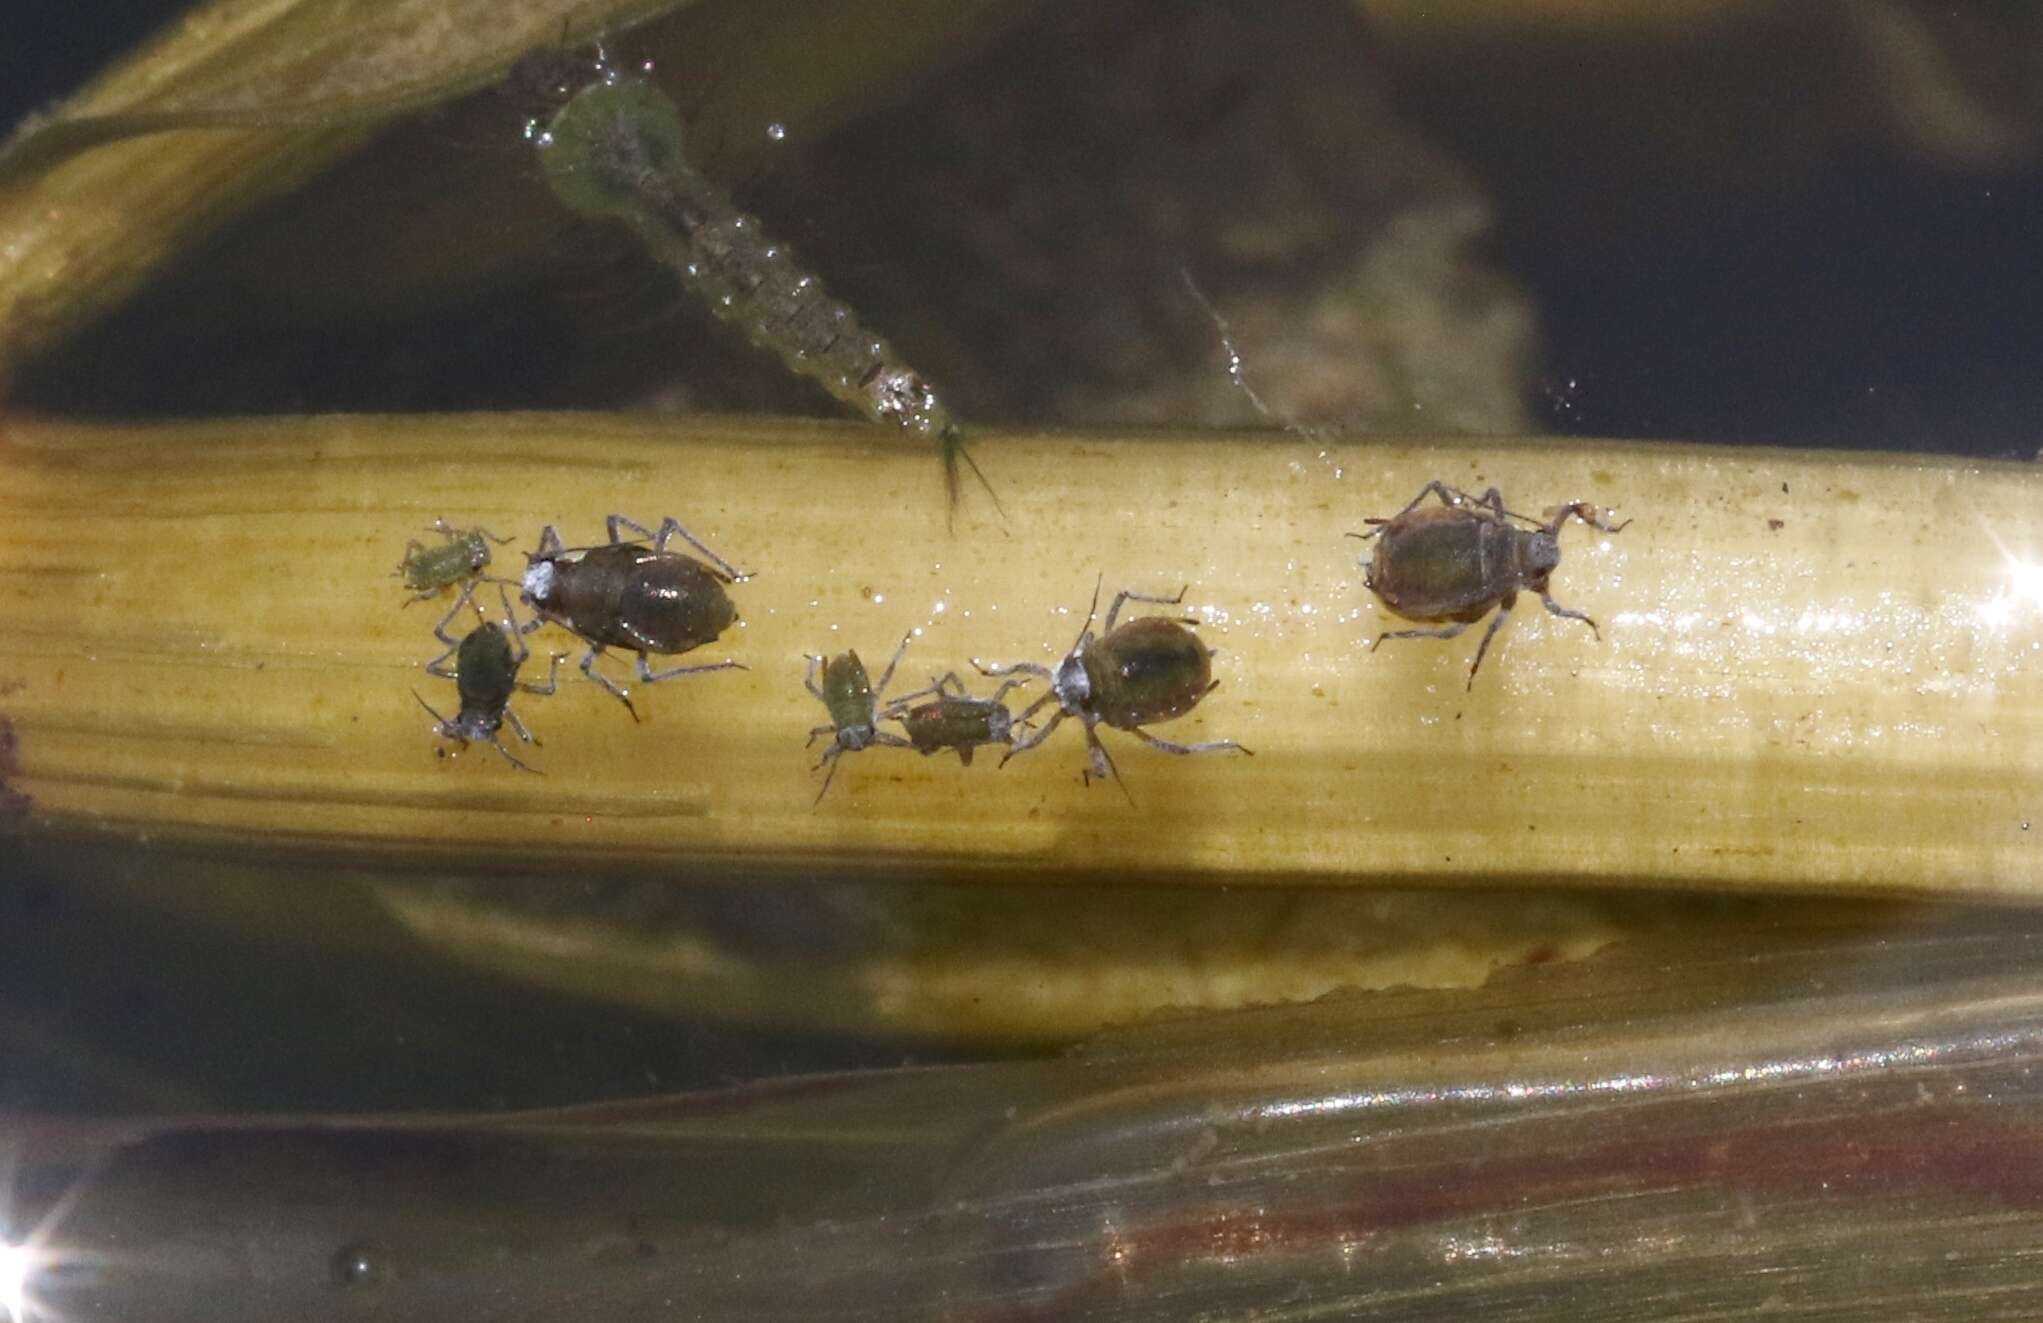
[(828, 777), (887, 675), (1090, 612), (440, 723)]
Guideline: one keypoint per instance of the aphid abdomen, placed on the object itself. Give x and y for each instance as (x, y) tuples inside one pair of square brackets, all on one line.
[(672, 603), (955, 723), (1442, 564), (847, 692), (430, 569), (1150, 669), (486, 671)]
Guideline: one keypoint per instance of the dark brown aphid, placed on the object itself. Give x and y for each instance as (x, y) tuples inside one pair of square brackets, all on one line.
[(629, 595), (463, 555), (948, 717), (485, 674), (1148, 670), (852, 701), (1454, 563)]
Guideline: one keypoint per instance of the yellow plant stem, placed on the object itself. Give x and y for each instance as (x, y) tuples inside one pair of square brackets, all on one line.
[(1817, 671)]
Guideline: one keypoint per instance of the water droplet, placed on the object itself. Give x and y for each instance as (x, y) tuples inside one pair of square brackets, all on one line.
[(777, 132), (361, 1263)]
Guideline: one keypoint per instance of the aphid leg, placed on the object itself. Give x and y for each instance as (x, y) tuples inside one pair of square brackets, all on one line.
[(1024, 745), (650, 676), (896, 706), (1569, 613), (1103, 764), (552, 678), (1018, 668), (438, 665), (1005, 688), (500, 541), (809, 683), (1496, 623), (1448, 496), (517, 636), (1585, 512), (892, 662), (1169, 746), (1123, 597), (947, 685), (519, 727), (438, 668), (549, 544), (589, 669), (512, 758), (440, 630), (816, 734), (668, 527), (1447, 632), (617, 521)]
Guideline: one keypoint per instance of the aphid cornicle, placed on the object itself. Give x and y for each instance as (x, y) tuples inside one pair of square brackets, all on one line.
[(1148, 670), (463, 555), (1455, 562), (629, 595), (946, 716), (852, 700), (485, 674)]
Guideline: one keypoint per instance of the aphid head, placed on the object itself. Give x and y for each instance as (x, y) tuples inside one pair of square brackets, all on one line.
[(539, 581), (1541, 554), (1000, 725), (475, 724), (1073, 684), (855, 737)]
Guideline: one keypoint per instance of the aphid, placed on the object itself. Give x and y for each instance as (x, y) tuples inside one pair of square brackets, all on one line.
[(852, 701), (951, 718), (465, 554), (485, 674), (1148, 670), (629, 595), (614, 149), (1454, 563)]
